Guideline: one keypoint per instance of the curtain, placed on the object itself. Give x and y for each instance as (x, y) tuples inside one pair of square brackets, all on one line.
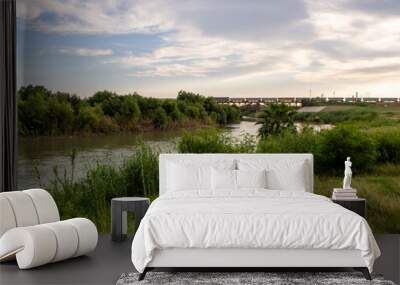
[(8, 100)]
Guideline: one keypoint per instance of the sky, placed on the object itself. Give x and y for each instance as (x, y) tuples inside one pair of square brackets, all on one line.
[(233, 48)]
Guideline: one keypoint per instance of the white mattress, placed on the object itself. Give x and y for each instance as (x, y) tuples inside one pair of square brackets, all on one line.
[(253, 219)]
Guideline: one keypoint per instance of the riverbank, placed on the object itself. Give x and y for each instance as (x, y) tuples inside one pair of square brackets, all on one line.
[(141, 129), (90, 196)]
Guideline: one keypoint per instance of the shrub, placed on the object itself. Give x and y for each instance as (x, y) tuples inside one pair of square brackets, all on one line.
[(90, 117), (160, 118), (388, 144), (204, 141), (331, 147), (289, 142), (215, 141), (336, 144), (171, 108), (91, 196)]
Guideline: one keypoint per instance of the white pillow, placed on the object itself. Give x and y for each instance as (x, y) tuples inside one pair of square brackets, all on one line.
[(291, 177), (281, 174), (184, 178), (251, 178), (223, 179)]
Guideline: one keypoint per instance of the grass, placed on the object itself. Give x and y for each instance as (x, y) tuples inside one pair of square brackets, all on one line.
[(382, 191), (91, 196), (362, 116), (215, 141), (335, 108)]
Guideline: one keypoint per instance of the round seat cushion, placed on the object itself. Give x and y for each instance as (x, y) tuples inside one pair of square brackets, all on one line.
[(40, 244), (87, 235), (67, 240), (32, 246)]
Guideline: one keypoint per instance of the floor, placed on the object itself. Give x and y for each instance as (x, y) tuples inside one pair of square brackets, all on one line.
[(104, 266), (110, 260)]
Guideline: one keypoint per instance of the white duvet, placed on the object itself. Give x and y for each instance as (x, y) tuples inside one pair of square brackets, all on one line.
[(250, 219)]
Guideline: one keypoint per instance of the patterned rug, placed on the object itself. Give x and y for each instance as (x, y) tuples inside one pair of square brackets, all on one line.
[(269, 278)]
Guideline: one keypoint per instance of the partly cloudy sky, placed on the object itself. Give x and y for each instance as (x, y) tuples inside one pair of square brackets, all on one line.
[(234, 48)]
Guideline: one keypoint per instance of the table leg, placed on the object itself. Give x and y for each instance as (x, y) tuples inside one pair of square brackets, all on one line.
[(116, 222), (124, 224)]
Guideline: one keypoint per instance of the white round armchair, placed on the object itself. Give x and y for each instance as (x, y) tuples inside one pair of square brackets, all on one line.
[(31, 230)]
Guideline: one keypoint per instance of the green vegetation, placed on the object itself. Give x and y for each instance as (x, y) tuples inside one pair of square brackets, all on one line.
[(375, 153), (43, 112), (329, 147), (138, 176), (364, 116), (275, 119), (359, 114), (388, 144), (381, 187), (215, 141), (91, 196)]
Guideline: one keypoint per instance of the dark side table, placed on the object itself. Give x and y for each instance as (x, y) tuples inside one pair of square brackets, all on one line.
[(358, 206), (119, 208)]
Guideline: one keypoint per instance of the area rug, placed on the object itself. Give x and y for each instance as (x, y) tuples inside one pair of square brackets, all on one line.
[(269, 278)]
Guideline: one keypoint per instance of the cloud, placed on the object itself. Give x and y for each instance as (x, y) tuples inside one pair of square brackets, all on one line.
[(194, 55), (233, 42), (380, 69), (378, 7), (256, 20), (94, 16), (85, 51)]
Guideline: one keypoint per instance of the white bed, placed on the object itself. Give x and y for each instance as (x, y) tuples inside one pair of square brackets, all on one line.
[(248, 227)]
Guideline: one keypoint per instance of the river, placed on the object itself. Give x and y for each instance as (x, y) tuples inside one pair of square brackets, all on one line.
[(39, 157)]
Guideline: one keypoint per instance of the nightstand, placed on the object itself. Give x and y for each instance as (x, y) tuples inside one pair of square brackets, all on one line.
[(119, 207), (358, 206)]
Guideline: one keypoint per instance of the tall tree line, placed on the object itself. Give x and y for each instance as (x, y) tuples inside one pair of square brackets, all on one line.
[(43, 112)]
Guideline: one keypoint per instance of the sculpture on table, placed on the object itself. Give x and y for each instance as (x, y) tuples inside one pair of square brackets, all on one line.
[(347, 174)]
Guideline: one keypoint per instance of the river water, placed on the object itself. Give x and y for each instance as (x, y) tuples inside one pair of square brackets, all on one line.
[(38, 158)]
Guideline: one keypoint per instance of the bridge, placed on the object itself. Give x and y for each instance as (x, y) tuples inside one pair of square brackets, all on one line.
[(300, 101)]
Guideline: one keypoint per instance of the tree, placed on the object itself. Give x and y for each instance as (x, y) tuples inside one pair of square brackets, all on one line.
[(343, 141), (171, 107), (43, 112), (275, 119), (232, 114), (190, 97), (147, 106), (129, 109), (33, 111), (90, 117), (60, 115), (160, 118)]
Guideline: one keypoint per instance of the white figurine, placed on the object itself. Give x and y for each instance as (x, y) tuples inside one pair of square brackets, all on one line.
[(347, 174)]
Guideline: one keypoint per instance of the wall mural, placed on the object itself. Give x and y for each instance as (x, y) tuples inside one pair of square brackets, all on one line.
[(105, 86)]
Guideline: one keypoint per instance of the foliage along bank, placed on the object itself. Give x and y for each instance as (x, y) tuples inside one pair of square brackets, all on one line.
[(375, 171), (43, 112)]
